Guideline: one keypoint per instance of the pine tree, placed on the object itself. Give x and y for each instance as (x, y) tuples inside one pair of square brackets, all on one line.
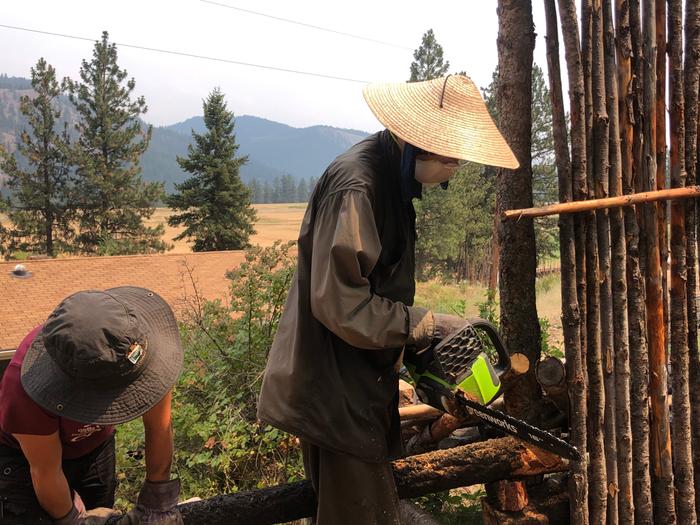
[(214, 204), (428, 62), (41, 208), (113, 199)]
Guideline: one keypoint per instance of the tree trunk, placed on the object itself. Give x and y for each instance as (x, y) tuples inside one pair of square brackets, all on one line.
[(692, 72), (619, 284), (681, 436), (491, 460), (518, 260)]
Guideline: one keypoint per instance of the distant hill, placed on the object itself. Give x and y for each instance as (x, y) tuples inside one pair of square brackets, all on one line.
[(273, 149)]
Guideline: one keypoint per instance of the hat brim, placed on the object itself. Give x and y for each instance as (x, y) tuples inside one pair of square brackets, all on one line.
[(446, 116), (50, 387)]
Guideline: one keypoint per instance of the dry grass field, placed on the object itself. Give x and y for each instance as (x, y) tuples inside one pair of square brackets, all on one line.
[(275, 222)]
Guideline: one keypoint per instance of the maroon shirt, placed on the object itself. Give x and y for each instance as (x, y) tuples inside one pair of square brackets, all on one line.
[(19, 414)]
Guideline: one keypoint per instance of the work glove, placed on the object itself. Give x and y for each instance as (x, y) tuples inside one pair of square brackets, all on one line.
[(429, 329), (98, 516), (155, 505)]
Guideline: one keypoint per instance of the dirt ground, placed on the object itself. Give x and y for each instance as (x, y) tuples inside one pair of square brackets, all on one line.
[(275, 222)]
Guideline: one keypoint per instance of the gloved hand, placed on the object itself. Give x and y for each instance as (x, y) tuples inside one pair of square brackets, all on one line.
[(446, 324), (428, 328), (155, 505), (98, 516)]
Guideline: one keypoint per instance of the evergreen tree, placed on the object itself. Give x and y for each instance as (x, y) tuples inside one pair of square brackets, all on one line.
[(302, 191), (428, 62), (214, 204), (288, 189), (42, 210), (113, 201)]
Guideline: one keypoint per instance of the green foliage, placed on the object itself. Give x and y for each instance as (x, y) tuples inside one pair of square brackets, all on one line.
[(214, 204), (455, 507), (546, 346), (41, 206), (427, 59), (220, 445), (454, 226), (489, 308), (112, 198)]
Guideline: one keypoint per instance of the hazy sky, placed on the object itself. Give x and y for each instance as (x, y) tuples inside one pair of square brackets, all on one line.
[(174, 86)]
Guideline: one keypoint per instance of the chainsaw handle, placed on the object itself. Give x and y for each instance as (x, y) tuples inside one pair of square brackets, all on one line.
[(503, 364)]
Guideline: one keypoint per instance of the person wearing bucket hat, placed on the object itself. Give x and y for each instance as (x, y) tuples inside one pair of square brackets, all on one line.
[(101, 358), (332, 372)]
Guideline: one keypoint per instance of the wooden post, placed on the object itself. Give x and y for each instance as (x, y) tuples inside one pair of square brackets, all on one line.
[(576, 372), (661, 154), (601, 159), (596, 390), (692, 81), (681, 436), (619, 285), (639, 357), (662, 474)]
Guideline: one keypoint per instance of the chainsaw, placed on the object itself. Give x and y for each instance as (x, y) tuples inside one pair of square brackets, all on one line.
[(458, 374)]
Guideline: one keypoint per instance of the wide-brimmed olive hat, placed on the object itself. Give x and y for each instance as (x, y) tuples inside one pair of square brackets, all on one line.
[(446, 116), (104, 357)]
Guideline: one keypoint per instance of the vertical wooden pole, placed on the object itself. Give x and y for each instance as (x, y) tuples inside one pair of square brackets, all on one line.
[(661, 153), (597, 480), (692, 81), (571, 320), (639, 356), (662, 475), (619, 284), (681, 437), (601, 159)]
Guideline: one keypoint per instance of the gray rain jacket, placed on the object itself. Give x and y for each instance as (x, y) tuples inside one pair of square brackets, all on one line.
[(332, 372)]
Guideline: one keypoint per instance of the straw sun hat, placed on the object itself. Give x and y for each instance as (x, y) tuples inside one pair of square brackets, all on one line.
[(446, 116), (104, 357)]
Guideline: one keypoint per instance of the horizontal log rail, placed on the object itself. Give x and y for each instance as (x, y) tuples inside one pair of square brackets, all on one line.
[(482, 462), (597, 204)]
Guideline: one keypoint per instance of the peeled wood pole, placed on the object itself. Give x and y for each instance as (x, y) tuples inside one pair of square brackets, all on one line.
[(609, 203), (639, 356), (571, 319), (662, 467), (619, 285), (661, 153), (601, 158), (691, 85), (681, 436)]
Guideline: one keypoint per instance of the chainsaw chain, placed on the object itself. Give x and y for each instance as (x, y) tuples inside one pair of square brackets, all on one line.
[(520, 429)]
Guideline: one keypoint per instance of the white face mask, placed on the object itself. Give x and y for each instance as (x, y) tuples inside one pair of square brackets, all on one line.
[(433, 171)]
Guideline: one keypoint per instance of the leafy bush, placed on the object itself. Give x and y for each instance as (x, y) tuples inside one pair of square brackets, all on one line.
[(220, 447)]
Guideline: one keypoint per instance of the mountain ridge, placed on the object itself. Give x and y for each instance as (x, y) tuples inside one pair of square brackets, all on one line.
[(274, 149)]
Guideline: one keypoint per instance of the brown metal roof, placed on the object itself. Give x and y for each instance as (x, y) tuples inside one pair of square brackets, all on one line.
[(26, 302)]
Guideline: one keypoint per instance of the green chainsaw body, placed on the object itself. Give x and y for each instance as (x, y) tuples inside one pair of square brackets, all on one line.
[(460, 363)]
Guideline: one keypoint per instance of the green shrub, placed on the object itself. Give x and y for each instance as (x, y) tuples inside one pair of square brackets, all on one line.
[(220, 447)]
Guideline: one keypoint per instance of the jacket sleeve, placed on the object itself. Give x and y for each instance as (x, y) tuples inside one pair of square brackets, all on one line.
[(346, 248)]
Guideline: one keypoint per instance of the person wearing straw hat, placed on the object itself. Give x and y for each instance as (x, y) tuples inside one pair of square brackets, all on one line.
[(332, 372), (100, 359)]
